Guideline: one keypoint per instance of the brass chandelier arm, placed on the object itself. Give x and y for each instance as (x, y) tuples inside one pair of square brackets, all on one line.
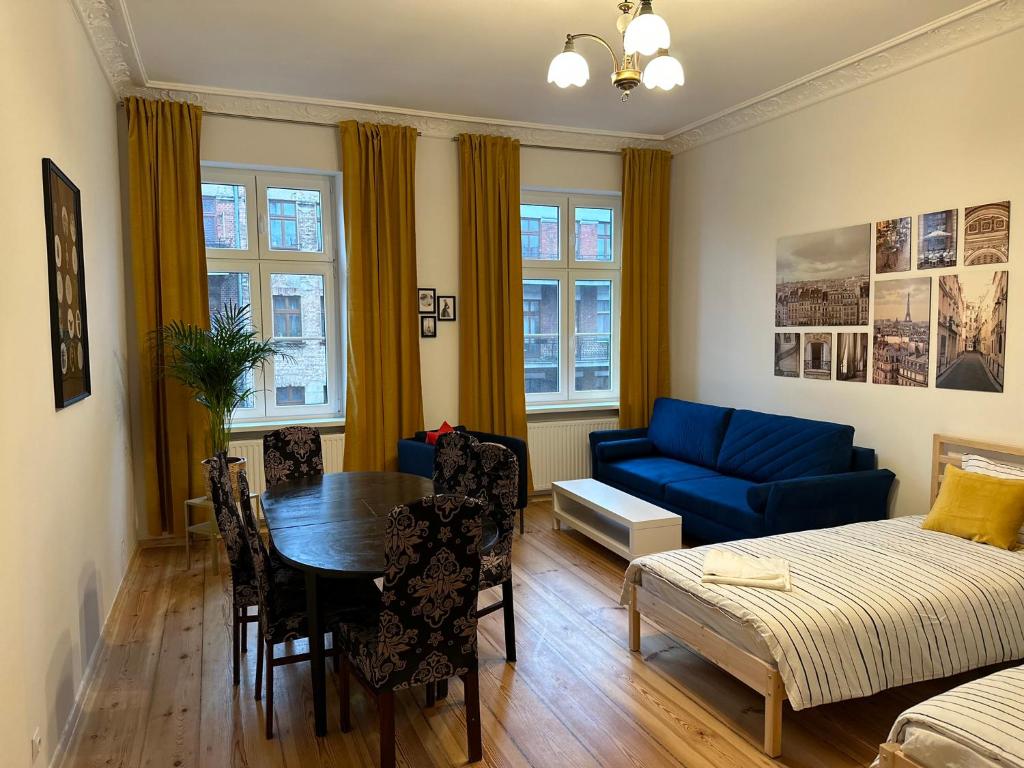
[(587, 35)]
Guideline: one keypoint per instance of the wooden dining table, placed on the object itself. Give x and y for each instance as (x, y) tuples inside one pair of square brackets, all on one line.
[(332, 527)]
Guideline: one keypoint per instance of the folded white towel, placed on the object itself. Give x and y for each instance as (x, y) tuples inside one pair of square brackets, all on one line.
[(724, 567)]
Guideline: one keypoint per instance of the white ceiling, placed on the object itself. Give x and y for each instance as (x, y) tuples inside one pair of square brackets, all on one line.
[(489, 58)]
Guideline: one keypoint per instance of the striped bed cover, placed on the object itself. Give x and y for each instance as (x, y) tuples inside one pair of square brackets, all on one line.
[(874, 605), (986, 716)]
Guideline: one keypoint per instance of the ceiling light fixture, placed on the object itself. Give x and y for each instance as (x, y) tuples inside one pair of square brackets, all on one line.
[(644, 33)]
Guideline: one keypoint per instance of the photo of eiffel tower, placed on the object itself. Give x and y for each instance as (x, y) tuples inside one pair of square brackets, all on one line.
[(902, 343)]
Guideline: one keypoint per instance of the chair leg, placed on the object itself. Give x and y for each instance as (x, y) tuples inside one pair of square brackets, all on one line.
[(335, 645), (268, 710), (431, 694), (386, 714), (508, 610), (441, 686), (245, 629), (235, 640), (471, 682), (344, 694), (259, 668), (522, 521)]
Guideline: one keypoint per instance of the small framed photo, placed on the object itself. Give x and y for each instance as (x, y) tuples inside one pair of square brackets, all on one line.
[(446, 308), (428, 327), (426, 301)]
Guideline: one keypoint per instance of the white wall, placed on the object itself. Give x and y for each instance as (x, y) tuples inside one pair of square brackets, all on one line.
[(947, 134), (67, 513), (259, 142)]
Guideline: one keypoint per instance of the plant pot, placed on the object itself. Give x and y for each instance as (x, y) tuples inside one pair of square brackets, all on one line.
[(236, 465)]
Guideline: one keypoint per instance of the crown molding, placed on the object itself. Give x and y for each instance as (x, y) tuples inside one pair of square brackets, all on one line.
[(974, 24), (109, 29)]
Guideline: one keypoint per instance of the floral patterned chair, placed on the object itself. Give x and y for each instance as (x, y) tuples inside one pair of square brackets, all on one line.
[(244, 592), (425, 627), (490, 472), (291, 453), (282, 601)]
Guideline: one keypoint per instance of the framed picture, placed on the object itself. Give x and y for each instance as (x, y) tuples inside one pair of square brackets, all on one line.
[(428, 327), (69, 329), (446, 308), (426, 301)]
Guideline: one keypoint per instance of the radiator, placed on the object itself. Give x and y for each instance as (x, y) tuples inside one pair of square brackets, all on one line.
[(252, 452), (560, 450)]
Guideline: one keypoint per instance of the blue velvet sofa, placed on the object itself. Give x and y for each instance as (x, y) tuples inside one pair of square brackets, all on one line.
[(734, 474)]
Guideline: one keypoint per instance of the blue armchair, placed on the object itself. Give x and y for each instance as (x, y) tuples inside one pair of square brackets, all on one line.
[(416, 457)]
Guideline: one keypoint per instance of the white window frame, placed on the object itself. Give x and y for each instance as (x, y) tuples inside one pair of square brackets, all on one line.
[(567, 270), (260, 261)]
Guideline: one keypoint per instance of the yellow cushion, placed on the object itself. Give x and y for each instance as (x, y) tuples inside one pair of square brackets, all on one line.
[(985, 509)]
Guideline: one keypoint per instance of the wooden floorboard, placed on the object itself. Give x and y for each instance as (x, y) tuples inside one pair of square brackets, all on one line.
[(577, 698)]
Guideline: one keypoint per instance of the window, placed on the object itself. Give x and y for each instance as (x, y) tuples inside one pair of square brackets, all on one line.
[(269, 245), (570, 297)]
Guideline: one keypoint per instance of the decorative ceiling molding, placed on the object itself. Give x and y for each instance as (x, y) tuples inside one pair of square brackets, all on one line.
[(975, 24), (108, 26)]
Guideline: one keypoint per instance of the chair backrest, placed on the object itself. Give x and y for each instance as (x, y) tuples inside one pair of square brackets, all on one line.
[(257, 550), (291, 453), (230, 524), (488, 471), (427, 624)]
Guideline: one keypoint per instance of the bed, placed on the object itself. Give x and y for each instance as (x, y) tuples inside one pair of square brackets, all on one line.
[(979, 724), (875, 605)]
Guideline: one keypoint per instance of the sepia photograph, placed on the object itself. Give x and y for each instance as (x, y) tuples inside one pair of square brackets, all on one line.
[(787, 355), (937, 240), (446, 308), (822, 278), (971, 337), (902, 331), (987, 234), (428, 326), (426, 299), (892, 246), (852, 357), (818, 356)]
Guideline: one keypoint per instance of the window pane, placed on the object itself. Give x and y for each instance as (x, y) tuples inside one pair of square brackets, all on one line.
[(224, 216), (540, 335), (231, 289), (593, 335), (539, 227), (295, 220), (594, 234), (300, 368)]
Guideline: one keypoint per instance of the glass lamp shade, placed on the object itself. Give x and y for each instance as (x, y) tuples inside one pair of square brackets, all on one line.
[(568, 68), (663, 72), (646, 34)]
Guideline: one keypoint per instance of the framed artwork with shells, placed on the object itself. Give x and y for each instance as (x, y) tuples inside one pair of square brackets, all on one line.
[(69, 331)]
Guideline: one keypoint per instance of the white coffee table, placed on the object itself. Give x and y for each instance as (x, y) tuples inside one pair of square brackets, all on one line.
[(626, 525)]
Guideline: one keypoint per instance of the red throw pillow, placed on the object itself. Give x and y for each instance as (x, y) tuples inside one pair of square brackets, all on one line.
[(444, 429)]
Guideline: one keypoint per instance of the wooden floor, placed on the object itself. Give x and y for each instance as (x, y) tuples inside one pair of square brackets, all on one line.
[(577, 697)]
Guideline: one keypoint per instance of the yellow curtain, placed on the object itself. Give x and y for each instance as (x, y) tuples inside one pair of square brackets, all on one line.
[(492, 395), (644, 357), (169, 283), (384, 400)]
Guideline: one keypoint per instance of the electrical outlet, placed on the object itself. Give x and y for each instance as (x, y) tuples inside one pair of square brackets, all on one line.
[(37, 744)]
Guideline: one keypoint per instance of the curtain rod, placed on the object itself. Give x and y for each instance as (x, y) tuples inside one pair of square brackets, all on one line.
[(418, 133)]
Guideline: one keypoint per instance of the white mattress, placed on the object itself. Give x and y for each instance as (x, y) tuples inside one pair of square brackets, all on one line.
[(874, 606)]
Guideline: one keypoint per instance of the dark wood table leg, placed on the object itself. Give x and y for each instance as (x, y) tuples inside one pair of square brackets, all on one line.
[(316, 656)]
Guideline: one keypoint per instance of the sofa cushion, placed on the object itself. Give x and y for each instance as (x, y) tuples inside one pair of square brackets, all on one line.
[(764, 447), (690, 432), (722, 499), (650, 474)]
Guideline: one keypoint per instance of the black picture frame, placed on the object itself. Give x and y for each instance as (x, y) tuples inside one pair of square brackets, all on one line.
[(421, 297), (69, 327), (442, 303), (428, 327)]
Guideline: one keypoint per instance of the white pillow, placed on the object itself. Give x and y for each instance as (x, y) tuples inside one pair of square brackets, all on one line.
[(981, 465)]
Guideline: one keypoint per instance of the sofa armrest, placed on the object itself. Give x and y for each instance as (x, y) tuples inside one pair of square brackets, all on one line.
[(607, 436), (806, 503), (416, 458), (615, 450)]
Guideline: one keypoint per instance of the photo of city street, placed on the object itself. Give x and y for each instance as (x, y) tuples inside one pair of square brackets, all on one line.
[(892, 246), (971, 337), (822, 278), (902, 331)]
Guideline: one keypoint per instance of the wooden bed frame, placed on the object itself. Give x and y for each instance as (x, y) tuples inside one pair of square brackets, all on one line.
[(891, 755), (757, 673)]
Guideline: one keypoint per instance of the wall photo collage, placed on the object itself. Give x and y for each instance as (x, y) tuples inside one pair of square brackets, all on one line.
[(825, 280)]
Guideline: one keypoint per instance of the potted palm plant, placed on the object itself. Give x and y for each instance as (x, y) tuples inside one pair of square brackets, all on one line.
[(218, 366)]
